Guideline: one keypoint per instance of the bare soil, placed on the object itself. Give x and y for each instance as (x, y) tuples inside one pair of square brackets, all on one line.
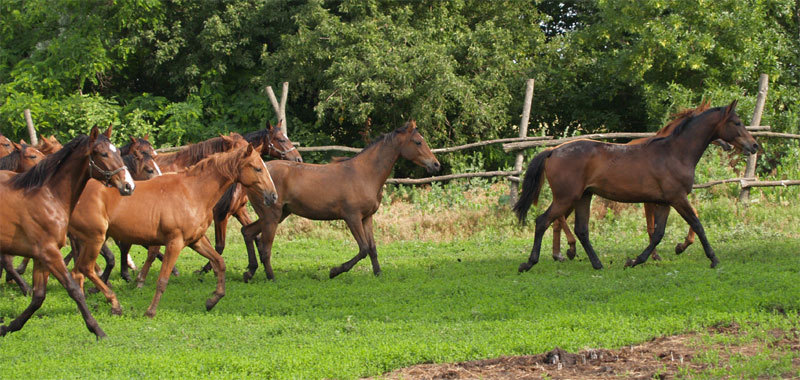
[(660, 358)]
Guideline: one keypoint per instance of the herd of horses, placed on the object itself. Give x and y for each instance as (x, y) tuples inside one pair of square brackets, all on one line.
[(88, 190)]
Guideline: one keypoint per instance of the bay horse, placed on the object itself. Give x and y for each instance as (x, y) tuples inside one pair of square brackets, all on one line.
[(173, 210), (176, 161), (20, 160), (349, 190), (561, 223), (6, 146), (38, 205), (272, 142), (50, 145), (659, 171)]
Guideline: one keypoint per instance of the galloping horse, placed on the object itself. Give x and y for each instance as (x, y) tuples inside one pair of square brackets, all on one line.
[(38, 204), (348, 190), (172, 210), (271, 142), (20, 160), (561, 223), (659, 171), (173, 162)]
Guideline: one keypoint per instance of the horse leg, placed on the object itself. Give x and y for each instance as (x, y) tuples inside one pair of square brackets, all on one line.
[(203, 247), (357, 229), (557, 208), (582, 212), (124, 258), (7, 262), (24, 264), (249, 232), (267, 231), (171, 252), (570, 239), (110, 262), (85, 263), (55, 265), (689, 238), (660, 214), (40, 276), (373, 250), (556, 227), (649, 210), (151, 256), (687, 212), (160, 257)]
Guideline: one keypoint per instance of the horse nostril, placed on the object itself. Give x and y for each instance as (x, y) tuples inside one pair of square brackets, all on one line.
[(755, 146)]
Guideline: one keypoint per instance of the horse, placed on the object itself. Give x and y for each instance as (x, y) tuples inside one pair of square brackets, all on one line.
[(6, 146), (20, 160), (173, 210), (38, 205), (659, 171), (50, 145), (272, 143), (349, 190), (142, 167), (180, 160), (561, 224)]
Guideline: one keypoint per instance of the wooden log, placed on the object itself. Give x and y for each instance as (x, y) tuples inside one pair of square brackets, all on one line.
[(720, 182), (523, 132), (776, 134), (31, 129), (786, 182), (750, 170)]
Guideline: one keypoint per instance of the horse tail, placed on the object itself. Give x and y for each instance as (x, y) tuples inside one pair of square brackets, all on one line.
[(223, 207), (531, 185)]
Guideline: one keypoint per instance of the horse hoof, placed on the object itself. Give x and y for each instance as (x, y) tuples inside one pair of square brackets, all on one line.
[(246, 276), (334, 273), (630, 263), (3, 330), (559, 258), (139, 284), (150, 313), (126, 277), (598, 266), (524, 267), (679, 248), (714, 263), (571, 253), (211, 302), (175, 272), (655, 257), (199, 272), (116, 311)]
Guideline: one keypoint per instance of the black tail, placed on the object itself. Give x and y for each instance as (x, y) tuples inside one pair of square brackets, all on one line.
[(531, 185), (223, 207)]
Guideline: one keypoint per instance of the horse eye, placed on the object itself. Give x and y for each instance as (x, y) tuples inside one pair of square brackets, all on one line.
[(418, 142), (257, 169), (104, 154), (149, 170)]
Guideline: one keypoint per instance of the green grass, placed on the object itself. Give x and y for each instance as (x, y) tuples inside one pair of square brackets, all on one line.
[(437, 301)]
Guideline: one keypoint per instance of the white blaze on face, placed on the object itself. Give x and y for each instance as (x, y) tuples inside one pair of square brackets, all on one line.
[(129, 179), (158, 169), (112, 148), (268, 174)]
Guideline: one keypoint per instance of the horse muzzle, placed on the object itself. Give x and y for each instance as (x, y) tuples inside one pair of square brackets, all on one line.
[(270, 198), (433, 167)]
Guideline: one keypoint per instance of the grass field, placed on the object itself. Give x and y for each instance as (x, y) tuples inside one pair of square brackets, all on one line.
[(449, 298)]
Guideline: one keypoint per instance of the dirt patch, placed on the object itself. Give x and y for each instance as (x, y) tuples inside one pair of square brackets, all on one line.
[(660, 358)]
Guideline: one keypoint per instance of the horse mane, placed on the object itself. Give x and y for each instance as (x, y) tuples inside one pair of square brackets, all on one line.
[(11, 161), (44, 170), (386, 137), (680, 120), (256, 136), (126, 149), (225, 162), (195, 153)]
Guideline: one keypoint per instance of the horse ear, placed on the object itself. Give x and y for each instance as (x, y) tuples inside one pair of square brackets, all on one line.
[(732, 107), (269, 126), (17, 147), (22, 141), (108, 131), (413, 124), (133, 140), (278, 126), (249, 150), (93, 134), (147, 137)]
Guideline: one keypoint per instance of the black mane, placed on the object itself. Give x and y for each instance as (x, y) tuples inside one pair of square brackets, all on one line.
[(388, 136), (11, 161), (44, 170)]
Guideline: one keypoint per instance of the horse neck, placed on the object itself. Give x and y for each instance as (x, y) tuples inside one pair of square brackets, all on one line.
[(692, 142), (376, 162), (68, 182), (210, 184)]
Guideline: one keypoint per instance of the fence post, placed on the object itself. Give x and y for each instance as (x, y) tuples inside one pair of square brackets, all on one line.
[(523, 132), (280, 108), (31, 129), (750, 171)]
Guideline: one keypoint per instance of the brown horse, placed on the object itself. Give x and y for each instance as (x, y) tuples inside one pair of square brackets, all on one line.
[(172, 210), (23, 158), (348, 190), (49, 145), (271, 142), (6, 146), (176, 161), (660, 171), (649, 208), (38, 204)]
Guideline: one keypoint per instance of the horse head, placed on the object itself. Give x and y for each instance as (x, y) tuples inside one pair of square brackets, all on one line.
[(414, 148)]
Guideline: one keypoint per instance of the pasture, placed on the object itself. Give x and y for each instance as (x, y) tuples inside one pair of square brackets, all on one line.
[(449, 292)]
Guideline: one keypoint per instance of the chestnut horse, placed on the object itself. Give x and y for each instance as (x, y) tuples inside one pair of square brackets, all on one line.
[(348, 190), (272, 143), (561, 223), (20, 160), (38, 205), (6, 146), (172, 210), (660, 171), (50, 145)]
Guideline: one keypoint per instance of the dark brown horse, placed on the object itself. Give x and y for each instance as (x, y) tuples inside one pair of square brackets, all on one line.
[(649, 208), (38, 205), (173, 210), (660, 171), (348, 190), (23, 157), (271, 142)]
